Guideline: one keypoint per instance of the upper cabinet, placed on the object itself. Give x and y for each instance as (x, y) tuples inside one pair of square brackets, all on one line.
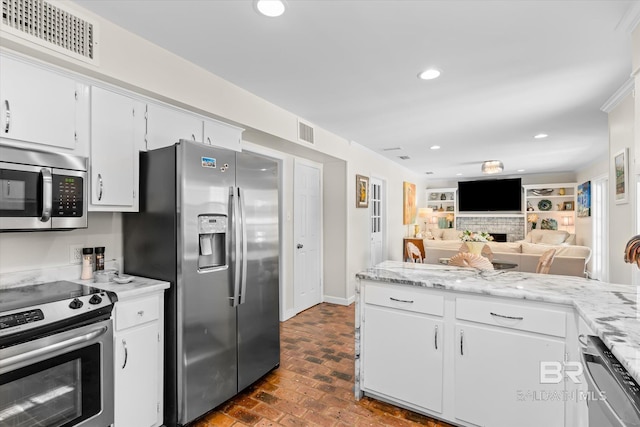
[(166, 126), (222, 135), (117, 137), (39, 106)]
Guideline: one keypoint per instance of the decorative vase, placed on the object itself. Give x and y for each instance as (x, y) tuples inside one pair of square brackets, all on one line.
[(443, 196), (416, 230), (561, 191), (475, 247), (534, 225)]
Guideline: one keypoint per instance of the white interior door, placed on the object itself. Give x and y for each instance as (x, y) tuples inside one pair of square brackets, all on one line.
[(377, 223), (307, 227)]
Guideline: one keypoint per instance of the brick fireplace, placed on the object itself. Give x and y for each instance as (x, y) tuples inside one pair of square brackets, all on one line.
[(512, 227)]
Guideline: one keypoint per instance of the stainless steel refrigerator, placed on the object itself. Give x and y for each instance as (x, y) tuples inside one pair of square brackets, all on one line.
[(208, 223)]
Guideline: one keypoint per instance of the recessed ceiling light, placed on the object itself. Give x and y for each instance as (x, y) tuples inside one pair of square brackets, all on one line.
[(520, 170), (435, 147), (429, 74), (458, 174), (541, 135), (270, 8)]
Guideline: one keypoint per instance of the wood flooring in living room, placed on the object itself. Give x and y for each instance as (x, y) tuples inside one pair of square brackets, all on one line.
[(314, 384)]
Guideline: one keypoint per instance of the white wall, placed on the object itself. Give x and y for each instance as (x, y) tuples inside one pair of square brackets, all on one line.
[(21, 251), (622, 216)]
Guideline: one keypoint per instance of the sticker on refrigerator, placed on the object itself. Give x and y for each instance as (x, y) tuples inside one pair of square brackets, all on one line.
[(208, 162)]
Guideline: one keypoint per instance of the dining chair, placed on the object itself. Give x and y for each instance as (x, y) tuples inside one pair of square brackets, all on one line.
[(545, 261), (465, 259), (413, 252)]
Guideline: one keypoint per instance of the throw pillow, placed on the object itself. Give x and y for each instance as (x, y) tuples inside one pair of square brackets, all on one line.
[(451, 234)]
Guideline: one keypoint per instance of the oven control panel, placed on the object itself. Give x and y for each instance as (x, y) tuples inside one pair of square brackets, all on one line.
[(17, 319)]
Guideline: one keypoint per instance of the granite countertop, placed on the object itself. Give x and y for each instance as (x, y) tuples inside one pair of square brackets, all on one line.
[(610, 310)]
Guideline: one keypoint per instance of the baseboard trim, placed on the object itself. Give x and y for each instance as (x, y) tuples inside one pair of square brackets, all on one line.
[(339, 301), (287, 314)]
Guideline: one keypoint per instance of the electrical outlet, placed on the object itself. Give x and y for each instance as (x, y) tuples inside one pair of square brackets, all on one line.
[(75, 254)]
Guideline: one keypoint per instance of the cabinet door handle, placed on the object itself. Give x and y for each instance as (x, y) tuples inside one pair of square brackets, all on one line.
[(126, 353), (506, 317), (193, 136), (461, 343), (435, 338), (100, 186), (209, 140), (400, 300), (7, 116), (141, 313)]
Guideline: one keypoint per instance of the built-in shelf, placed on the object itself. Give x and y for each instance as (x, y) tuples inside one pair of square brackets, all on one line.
[(490, 215)]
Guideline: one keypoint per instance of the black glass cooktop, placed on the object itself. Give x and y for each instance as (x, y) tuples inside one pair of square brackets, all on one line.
[(34, 295)]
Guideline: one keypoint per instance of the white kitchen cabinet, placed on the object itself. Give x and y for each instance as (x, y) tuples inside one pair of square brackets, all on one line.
[(222, 135), (117, 137), (403, 346), (497, 378), (499, 348), (166, 126), (138, 359), (38, 105)]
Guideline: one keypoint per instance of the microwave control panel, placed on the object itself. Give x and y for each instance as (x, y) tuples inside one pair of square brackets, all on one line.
[(67, 196)]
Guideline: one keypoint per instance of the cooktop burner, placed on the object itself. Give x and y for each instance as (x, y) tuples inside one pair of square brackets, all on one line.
[(33, 309), (34, 295)]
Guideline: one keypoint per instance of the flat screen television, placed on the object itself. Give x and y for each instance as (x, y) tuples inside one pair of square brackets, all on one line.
[(490, 195)]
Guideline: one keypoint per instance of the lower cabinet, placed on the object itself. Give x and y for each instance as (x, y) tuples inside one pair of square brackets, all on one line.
[(470, 360), (497, 378), (402, 346), (138, 348), (404, 356)]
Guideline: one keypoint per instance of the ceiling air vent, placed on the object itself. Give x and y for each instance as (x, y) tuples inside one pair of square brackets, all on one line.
[(392, 149), (305, 132), (50, 26)]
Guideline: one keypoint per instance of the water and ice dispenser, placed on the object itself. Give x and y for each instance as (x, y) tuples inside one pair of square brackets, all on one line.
[(212, 233)]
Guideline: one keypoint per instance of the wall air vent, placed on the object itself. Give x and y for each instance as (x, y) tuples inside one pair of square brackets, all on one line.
[(50, 26), (305, 132), (404, 157)]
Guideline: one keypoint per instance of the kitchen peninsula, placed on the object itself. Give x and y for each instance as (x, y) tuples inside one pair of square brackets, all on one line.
[(478, 347)]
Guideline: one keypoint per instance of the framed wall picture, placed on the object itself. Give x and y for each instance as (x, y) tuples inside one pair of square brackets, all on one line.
[(408, 203), (567, 206), (362, 191), (621, 173), (584, 199)]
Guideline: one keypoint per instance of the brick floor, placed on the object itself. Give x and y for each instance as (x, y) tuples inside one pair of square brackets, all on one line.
[(314, 384)]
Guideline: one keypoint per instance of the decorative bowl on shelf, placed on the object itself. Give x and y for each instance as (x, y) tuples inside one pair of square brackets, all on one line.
[(542, 191), (545, 205)]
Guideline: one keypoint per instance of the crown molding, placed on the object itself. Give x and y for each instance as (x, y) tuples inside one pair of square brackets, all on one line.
[(630, 20), (618, 96)]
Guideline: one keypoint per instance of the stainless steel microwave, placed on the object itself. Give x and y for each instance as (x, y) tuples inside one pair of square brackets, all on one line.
[(40, 190)]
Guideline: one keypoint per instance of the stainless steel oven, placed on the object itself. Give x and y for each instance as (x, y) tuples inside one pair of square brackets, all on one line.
[(56, 357), (41, 190)]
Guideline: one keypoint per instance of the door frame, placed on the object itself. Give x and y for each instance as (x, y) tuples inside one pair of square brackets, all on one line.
[(298, 161), (383, 214)]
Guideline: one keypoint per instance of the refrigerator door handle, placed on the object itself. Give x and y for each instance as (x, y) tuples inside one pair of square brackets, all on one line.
[(236, 247), (243, 227)]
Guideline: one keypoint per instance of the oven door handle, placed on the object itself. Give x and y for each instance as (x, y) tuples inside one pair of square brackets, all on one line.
[(5, 362)]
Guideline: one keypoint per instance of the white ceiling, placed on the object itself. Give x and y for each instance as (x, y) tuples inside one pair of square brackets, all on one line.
[(511, 69)]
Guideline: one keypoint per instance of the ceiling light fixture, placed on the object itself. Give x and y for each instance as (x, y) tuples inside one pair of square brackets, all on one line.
[(435, 147), (270, 8), (520, 170), (492, 166), (540, 136), (429, 74)]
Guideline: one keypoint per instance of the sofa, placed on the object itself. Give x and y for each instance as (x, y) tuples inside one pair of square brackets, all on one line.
[(570, 259)]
